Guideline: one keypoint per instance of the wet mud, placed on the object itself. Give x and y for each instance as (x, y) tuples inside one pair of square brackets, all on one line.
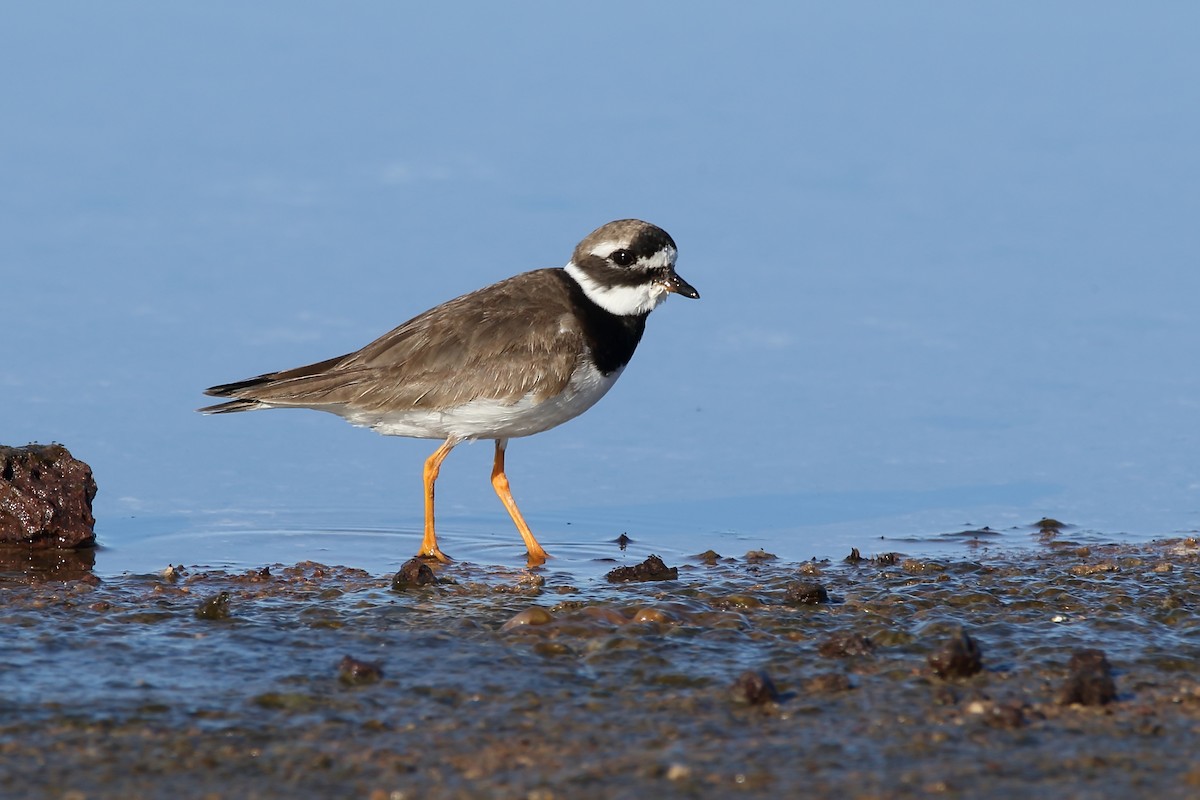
[(1064, 669)]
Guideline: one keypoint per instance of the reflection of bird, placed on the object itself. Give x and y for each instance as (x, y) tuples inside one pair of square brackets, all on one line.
[(512, 359)]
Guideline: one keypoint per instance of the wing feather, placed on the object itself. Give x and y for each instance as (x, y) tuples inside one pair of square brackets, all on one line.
[(501, 342)]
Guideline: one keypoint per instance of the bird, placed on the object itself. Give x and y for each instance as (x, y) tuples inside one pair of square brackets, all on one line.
[(512, 359)]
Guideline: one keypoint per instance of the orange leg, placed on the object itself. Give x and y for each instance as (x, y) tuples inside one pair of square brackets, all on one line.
[(433, 464), (500, 483)]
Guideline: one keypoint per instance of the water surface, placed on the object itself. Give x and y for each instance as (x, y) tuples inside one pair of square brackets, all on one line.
[(947, 259)]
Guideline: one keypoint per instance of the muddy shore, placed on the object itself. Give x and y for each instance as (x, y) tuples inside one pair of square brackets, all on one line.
[(742, 677)]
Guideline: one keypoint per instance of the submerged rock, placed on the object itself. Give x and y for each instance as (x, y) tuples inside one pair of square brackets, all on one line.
[(828, 683), (535, 615), (846, 645), (1090, 682), (1049, 525), (353, 672), (960, 657), (45, 498), (754, 688), (652, 569)]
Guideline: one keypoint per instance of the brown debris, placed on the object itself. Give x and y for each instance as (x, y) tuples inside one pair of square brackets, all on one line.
[(45, 498), (959, 657), (1090, 682), (652, 569)]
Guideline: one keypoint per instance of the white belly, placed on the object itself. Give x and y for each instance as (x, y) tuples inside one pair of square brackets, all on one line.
[(492, 419)]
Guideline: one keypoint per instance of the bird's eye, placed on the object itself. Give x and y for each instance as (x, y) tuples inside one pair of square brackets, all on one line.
[(622, 257)]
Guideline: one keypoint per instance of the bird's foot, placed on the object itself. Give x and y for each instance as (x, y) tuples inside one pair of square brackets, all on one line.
[(536, 558), (434, 554)]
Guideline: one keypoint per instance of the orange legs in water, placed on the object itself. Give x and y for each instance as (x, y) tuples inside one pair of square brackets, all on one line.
[(537, 555), (433, 465)]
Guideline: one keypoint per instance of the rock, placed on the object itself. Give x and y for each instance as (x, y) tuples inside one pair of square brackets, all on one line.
[(413, 573), (215, 607), (802, 593), (45, 498), (652, 569)]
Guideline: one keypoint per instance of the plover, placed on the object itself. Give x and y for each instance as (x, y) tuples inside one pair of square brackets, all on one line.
[(512, 359)]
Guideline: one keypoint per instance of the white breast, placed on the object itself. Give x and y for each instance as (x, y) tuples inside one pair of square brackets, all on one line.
[(493, 419)]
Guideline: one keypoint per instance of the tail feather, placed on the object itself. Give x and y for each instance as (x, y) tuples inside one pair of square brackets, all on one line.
[(236, 388), (233, 390), (269, 384), (231, 406)]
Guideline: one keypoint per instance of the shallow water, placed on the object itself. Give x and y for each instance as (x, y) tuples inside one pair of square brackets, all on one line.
[(502, 682)]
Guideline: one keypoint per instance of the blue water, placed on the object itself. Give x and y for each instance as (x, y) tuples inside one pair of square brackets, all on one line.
[(947, 257)]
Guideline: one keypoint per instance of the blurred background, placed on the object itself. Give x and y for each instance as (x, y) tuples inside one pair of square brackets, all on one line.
[(947, 256)]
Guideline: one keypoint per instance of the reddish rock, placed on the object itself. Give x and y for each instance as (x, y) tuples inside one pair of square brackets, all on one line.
[(652, 569), (45, 498)]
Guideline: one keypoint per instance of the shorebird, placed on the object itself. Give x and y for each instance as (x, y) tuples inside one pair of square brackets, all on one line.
[(511, 359)]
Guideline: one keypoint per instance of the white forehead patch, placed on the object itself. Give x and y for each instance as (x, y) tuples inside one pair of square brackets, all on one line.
[(603, 249)]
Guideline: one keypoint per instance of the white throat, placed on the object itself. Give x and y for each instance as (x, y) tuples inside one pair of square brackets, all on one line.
[(624, 301)]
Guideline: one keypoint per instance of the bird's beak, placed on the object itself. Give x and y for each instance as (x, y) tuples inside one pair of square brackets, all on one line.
[(678, 285)]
